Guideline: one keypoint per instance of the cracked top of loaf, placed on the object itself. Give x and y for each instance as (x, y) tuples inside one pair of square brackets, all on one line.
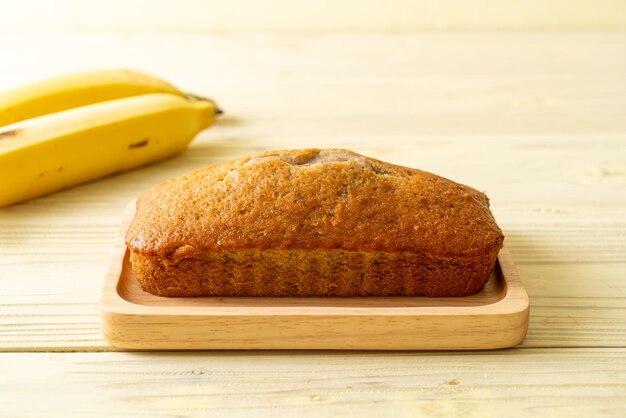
[(312, 200)]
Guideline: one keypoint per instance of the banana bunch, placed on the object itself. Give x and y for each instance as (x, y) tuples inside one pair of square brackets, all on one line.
[(72, 129)]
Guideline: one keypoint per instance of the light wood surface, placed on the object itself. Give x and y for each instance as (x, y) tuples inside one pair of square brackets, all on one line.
[(496, 317), (512, 383), (534, 119), (313, 16)]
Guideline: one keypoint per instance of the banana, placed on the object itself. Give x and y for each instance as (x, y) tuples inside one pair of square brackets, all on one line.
[(52, 152), (75, 90)]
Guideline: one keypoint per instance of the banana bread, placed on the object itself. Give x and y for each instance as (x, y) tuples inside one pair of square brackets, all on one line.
[(312, 223)]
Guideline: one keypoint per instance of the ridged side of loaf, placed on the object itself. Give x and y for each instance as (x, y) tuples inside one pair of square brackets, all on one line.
[(312, 273)]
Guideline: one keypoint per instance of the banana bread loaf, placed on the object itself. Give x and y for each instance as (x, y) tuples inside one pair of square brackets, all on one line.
[(312, 223)]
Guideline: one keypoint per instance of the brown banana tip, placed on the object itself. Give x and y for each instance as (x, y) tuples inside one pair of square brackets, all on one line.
[(218, 110)]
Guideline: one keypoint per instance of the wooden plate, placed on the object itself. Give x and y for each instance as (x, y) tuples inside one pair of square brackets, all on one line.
[(497, 317)]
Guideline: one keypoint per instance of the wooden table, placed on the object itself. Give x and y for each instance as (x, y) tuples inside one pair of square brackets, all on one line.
[(537, 120)]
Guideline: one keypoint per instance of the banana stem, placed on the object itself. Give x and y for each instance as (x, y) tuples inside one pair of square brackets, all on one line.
[(194, 97)]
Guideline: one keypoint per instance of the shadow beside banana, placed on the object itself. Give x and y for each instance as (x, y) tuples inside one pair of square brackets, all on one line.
[(69, 130)]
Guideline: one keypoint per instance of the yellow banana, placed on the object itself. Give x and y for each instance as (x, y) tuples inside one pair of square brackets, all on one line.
[(75, 90), (52, 152)]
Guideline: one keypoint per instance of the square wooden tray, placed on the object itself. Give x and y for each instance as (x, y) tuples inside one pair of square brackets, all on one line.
[(497, 317)]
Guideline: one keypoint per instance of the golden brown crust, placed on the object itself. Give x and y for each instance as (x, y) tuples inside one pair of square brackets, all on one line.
[(312, 201)]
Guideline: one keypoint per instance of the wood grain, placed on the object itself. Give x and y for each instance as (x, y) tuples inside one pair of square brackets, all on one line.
[(534, 119), (515, 383)]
